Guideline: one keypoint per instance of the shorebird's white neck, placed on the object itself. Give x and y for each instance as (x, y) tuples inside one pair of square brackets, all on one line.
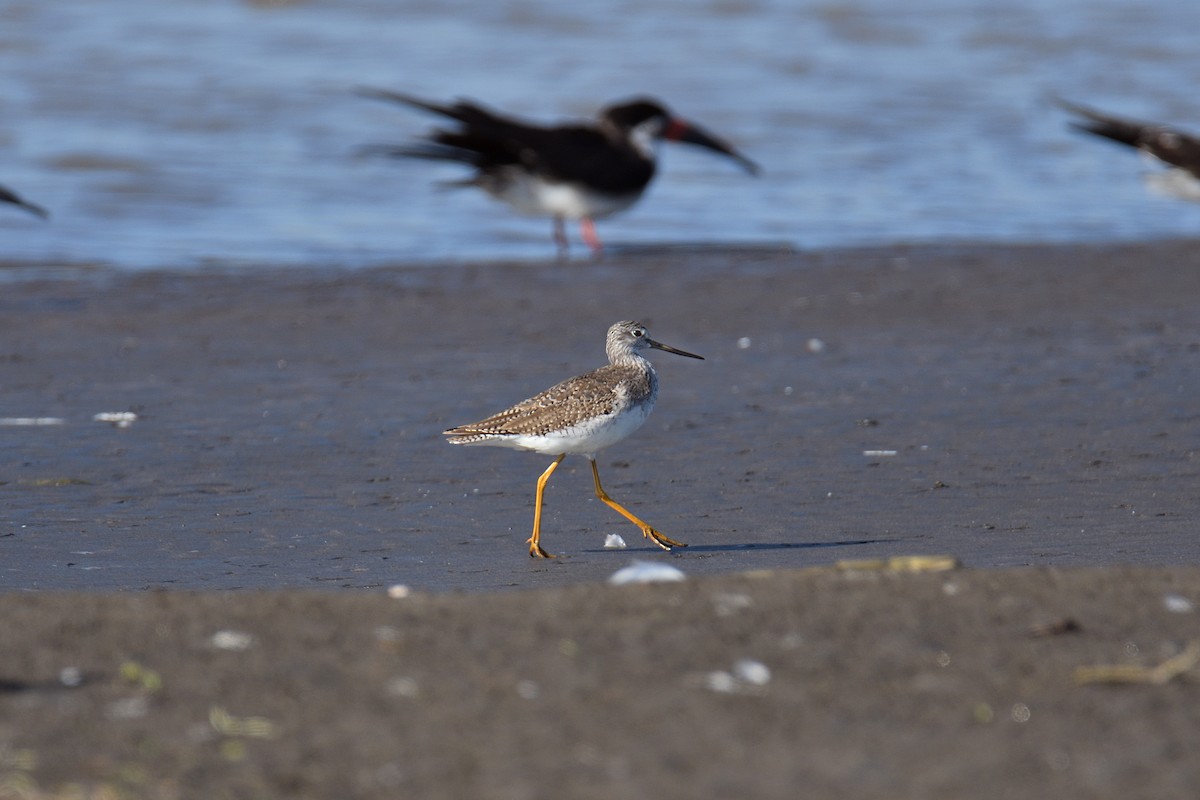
[(646, 138), (630, 358)]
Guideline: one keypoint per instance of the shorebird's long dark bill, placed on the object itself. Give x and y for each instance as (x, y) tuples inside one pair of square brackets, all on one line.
[(689, 133), (669, 349)]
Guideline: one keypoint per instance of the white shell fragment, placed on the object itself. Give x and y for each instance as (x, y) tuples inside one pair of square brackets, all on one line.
[(31, 421), (645, 572), (231, 640), (755, 673), (1177, 604), (614, 542), (120, 419), (70, 676), (398, 591), (878, 453), (747, 677)]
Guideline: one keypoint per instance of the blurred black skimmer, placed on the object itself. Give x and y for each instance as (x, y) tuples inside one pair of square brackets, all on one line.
[(9, 196), (1178, 150), (574, 171)]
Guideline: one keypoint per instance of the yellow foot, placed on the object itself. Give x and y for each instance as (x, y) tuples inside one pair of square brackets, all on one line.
[(536, 551), (660, 540)]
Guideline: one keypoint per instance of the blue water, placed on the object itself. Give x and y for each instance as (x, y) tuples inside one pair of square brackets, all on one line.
[(187, 133)]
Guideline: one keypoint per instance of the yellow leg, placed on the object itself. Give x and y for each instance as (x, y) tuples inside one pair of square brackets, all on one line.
[(647, 531), (535, 549)]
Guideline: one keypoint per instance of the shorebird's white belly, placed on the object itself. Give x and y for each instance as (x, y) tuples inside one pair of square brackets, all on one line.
[(535, 197), (1175, 183), (585, 438)]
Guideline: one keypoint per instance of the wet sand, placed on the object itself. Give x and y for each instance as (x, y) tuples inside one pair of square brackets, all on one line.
[(1007, 406), (1040, 403)]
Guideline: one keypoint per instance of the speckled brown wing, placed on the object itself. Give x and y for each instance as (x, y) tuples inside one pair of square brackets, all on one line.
[(597, 393)]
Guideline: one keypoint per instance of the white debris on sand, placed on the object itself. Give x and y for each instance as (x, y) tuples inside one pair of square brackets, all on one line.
[(752, 672), (614, 542), (1177, 604), (747, 677), (231, 640), (119, 419), (71, 677), (646, 572)]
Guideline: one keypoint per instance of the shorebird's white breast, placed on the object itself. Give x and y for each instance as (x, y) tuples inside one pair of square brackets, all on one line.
[(537, 197)]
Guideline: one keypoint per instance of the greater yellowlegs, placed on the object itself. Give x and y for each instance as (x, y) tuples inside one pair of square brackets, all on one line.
[(582, 415)]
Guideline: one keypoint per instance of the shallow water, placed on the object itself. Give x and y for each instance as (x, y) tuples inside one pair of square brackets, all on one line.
[(192, 133)]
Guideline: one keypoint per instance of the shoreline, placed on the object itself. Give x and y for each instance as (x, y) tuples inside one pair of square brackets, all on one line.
[(615, 252)]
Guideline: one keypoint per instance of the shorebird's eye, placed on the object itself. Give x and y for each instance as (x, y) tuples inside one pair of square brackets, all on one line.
[(638, 333)]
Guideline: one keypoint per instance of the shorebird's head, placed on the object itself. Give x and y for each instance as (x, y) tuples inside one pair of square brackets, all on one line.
[(645, 122), (628, 338)]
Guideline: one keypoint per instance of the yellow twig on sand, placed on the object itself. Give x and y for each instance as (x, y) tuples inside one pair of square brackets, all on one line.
[(899, 564), (228, 725), (1165, 672)]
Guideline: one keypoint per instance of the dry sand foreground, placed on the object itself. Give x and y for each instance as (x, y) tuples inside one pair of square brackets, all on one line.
[(787, 684), (1040, 403)]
